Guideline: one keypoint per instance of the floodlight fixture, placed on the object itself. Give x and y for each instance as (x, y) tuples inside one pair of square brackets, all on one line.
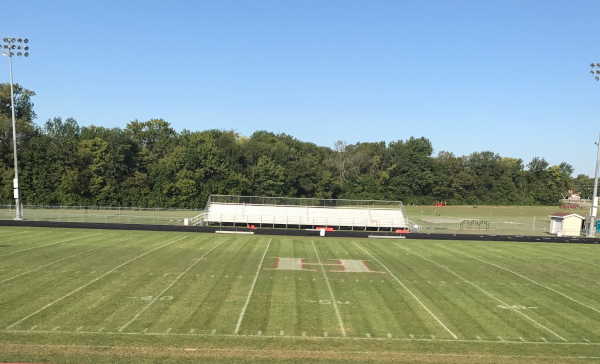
[(7, 50), (595, 72)]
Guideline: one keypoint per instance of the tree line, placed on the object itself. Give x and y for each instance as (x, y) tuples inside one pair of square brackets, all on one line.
[(149, 164)]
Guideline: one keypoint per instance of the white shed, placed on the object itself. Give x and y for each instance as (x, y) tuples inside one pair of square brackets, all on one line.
[(566, 224)]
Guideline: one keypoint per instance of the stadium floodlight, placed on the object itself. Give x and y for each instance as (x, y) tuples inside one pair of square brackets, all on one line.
[(9, 45), (591, 230)]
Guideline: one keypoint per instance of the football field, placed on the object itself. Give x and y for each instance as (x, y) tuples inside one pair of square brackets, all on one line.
[(70, 295)]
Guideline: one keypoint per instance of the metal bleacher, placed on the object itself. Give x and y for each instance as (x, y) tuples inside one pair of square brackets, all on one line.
[(285, 212)]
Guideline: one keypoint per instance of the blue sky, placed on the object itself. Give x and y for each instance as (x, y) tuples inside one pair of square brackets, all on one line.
[(506, 76)]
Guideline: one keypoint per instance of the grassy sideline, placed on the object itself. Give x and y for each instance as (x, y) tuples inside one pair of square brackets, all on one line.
[(83, 296)]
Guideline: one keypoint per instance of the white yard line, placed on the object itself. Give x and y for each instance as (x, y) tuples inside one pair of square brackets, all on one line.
[(333, 299), (437, 319), (485, 292), (51, 244), (93, 281), (47, 265), (241, 318), (526, 278), (157, 297)]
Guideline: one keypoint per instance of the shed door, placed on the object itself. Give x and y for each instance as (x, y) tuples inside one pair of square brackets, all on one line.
[(555, 225)]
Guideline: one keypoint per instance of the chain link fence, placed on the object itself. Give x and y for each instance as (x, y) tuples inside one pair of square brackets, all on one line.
[(101, 214), (492, 220)]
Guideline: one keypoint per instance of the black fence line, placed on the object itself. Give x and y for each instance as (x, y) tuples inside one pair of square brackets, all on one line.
[(290, 232)]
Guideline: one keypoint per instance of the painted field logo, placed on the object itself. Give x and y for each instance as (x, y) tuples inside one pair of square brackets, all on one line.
[(353, 266), (336, 265), (290, 264)]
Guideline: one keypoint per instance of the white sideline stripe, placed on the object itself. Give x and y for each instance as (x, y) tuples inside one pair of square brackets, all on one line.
[(297, 337), (93, 281), (386, 236), (55, 243), (241, 317), (333, 299), (47, 265), (527, 279), (157, 297), (485, 292), (408, 290), (234, 232)]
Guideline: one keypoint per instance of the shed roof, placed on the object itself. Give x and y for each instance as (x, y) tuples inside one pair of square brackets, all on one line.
[(565, 214)]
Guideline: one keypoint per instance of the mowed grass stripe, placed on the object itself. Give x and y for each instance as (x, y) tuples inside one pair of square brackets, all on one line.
[(487, 293), (19, 263), (579, 253), (48, 245), (539, 257), (470, 313), (110, 303), (405, 287), (173, 282), (26, 232), (243, 313), (92, 282), (570, 319), (40, 267), (7, 236), (331, 294), (300, 300), (288, 301), (563, 314), (522, 276), (23, 296), (209, 297), (374, 303), (577, 278)]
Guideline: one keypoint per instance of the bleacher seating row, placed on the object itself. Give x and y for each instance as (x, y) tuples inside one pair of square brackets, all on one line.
[(305, 216)]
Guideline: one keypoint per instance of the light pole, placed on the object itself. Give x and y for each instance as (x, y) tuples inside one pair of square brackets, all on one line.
[(591, 231), (15, 47)]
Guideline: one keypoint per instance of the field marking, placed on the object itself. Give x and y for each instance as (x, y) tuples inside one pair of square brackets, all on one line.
[(157, 297), (46, 265), (51, 244), (94, 281), (296, 337), (333, 299), (260, 264), (280, 353), (525, 278), (437, 319), (485, 292)]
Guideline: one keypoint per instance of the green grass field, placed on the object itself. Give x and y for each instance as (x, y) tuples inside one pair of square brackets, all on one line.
[(102, 296)]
